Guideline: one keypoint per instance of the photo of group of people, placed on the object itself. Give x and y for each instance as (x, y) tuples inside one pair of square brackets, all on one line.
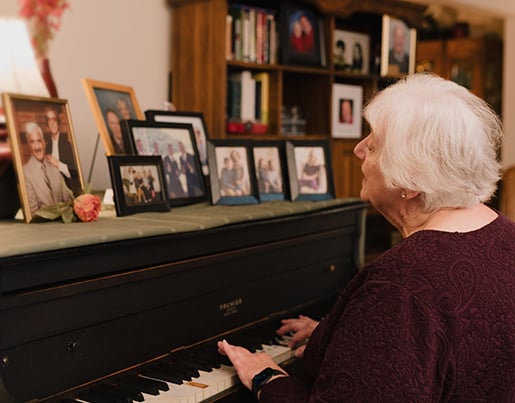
[(233, 173), (268, 170), (262, 171), (44, 152), (140, 184), (351, 51), (175, 145)]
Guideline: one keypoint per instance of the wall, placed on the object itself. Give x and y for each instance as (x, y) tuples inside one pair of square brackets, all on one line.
[(127, 42), (117, 41)]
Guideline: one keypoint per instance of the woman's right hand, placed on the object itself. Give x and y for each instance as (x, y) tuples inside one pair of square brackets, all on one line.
[(302, 328)]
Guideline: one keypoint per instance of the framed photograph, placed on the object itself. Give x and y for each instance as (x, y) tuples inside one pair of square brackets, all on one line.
[(397, 47), (271, 170), (138, 183), (301, 38), (44, 151), (310, 170), (346, 114), (112, 103), (175, 144), (351, 51), (199, 128), (232, 177)]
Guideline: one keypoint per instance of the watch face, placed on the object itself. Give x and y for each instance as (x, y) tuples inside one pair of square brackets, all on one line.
[(262, 378)]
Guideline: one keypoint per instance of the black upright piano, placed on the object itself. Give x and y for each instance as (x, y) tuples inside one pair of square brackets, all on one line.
[(89, 307)]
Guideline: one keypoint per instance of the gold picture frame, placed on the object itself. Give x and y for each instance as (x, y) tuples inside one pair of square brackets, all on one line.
[(37, 126), (111, 103)]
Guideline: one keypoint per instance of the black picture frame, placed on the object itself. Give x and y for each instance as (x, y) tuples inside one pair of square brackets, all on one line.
[(225, 187), (307, 186), (196, 119), (301, 38), (129, 196), (175, 144), (271, 169)]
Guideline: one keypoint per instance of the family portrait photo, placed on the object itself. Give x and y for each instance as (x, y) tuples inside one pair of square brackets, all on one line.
[(44, 151), (111, 104), (138, 184), (199, 129), (268, 164), (351, 51), (301, 42), (175, 144)]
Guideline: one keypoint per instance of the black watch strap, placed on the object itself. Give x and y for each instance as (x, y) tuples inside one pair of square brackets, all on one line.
[(262, 379)]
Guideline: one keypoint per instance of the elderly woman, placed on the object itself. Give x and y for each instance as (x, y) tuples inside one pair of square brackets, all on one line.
[(433, 318)]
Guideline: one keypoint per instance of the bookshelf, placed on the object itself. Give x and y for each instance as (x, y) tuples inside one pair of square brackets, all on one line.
[(200, 70)]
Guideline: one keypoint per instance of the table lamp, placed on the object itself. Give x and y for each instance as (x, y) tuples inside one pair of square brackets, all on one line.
[(19, 74)]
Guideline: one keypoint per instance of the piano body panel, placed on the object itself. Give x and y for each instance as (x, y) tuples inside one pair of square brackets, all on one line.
[(62, 334)]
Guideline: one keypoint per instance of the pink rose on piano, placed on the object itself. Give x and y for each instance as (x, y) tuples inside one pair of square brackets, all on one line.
[(87, 207)]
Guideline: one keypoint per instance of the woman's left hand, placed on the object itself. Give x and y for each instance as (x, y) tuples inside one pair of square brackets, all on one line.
[(246, 364)]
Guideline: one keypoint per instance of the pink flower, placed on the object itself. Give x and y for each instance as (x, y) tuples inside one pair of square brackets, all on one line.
[(87, 207)]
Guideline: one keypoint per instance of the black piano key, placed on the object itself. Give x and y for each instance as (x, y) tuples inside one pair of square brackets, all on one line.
[(160, 373), (95, 396), (120, 392), (175, 368), (200, 363), (137, 386), (146, 383), (188, 365)]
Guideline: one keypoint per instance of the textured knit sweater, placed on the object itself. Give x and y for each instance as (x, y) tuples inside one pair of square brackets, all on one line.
[(431, 320)]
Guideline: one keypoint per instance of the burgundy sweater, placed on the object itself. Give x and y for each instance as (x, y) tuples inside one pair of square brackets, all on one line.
[(431, 320)]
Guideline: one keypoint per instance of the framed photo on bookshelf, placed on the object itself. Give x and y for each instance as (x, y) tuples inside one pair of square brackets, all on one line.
[(351, 51), (138, 184), (37, 128), (232, 176), (310, 170), (196, 119), (175, 144), (302, 40), (397, 47), (347, 101), (271, 170), (112, 103)]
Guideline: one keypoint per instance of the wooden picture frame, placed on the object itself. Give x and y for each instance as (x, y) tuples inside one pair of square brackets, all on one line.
[(398, 46), (175, 144), (110, 104), (48, 171), (232, 177), (347, 102), (301, 34), (196, 119), (309, 170), (271, 169), (133, 191), (351, 51)]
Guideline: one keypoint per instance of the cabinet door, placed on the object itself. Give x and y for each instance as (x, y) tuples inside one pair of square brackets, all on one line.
[(466, 64), (430, 57), (346, 168)]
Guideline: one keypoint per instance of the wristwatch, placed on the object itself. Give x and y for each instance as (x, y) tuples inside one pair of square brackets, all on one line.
[(262, 379)]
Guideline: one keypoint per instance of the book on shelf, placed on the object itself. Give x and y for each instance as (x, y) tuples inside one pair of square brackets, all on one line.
[(263, 94), (241, 96), (251, 36)]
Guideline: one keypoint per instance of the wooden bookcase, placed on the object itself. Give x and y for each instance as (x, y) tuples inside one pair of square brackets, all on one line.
[(199, 71)]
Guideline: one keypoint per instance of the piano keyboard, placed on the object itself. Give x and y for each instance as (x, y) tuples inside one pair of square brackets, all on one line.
[(197, 377)]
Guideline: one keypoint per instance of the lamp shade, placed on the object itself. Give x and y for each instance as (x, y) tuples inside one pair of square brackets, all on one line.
[(19, 71)]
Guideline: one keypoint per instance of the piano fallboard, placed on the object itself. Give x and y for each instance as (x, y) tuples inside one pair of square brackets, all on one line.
[(76, 315)]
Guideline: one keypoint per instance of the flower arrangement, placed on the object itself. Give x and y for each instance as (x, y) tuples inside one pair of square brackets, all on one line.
[(44, 20), (85, 208)]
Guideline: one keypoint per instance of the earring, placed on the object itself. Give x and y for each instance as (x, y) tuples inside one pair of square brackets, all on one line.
[(403, 195)]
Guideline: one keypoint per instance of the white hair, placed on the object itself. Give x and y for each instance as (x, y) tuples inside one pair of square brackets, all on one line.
[(30, 127), (436, 138)]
